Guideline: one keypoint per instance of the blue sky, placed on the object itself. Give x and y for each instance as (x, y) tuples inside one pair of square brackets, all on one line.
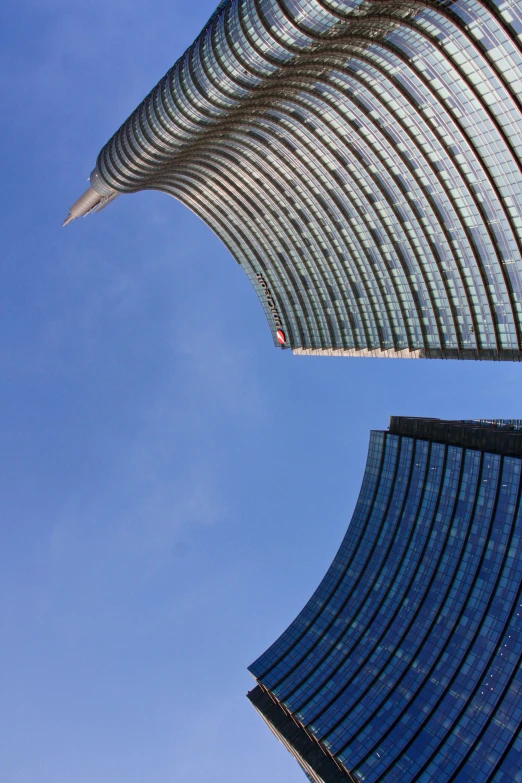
[(172, 487)]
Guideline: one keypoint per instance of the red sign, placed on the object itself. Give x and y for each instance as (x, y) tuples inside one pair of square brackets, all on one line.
[(280, 337)]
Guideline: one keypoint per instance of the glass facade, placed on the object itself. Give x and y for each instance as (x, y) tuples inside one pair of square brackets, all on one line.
[(364, 157), (406, 663)]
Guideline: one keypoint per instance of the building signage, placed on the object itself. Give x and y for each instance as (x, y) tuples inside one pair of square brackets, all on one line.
[(271, 304)]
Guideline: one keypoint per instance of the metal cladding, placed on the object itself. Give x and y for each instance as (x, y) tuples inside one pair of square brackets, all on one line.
[(406, 663), (363, 157)]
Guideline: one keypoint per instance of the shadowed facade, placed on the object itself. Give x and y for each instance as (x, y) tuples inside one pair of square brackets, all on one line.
[(406, 664), (361, 158)]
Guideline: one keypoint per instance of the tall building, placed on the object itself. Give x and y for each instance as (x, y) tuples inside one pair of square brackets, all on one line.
[(362, 160), (406, 663)]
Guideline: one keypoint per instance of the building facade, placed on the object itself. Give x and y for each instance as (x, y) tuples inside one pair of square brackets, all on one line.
[(362, 160), (406, 663)]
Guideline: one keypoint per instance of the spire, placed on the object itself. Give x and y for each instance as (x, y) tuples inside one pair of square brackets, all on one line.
[(87, 202), (68, 219)]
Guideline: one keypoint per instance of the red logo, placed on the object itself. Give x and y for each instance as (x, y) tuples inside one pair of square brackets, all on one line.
[(281, 339)]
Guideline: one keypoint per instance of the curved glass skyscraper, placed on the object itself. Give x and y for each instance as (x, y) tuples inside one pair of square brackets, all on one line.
[(361, 160), (406, 663)]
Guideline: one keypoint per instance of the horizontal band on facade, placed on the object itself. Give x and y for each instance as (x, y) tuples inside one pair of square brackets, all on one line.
[(483, 437)]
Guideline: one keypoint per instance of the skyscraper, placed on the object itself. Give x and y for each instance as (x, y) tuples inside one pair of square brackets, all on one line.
[(361, 160), (406, 663)]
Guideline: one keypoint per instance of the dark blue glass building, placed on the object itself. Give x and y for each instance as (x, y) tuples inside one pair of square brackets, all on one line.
[(361, 159), (405, 665)]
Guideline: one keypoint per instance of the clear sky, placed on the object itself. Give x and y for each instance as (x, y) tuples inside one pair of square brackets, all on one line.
[(172, 487)]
